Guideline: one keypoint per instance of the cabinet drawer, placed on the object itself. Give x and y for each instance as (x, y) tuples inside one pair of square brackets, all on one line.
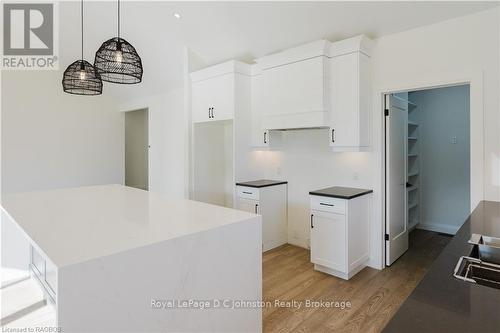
[(327, 204), (247, 192)]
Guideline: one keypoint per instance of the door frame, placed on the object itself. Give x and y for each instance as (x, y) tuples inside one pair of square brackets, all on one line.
[(132, 109), (476, 123)]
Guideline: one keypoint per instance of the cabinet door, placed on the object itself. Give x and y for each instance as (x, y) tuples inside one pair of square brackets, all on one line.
[(213, 99), (247, 205), (294, 88), (201, 101), (328, 240), (260, 136), (345, 100), (350, 100)]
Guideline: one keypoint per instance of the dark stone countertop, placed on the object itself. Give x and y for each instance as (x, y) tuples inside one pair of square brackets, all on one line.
[(442, 303), (262, 183), (341, 192)]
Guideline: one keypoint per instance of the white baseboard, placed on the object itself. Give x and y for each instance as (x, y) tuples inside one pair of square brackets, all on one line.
[(439, 227), (303, 243)]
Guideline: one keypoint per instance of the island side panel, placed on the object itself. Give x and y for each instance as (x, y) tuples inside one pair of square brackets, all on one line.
[(115, 293)]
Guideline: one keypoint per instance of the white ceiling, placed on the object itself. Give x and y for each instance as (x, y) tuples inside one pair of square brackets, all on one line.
[(218, 31)]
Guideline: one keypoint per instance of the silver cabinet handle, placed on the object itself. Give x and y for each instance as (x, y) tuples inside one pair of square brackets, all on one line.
[(256, 208)]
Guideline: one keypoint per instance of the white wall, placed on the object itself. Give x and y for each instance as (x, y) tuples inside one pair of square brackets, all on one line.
[(51, 139), (306, 161), (462, 49), (444, 163), (167, 138)]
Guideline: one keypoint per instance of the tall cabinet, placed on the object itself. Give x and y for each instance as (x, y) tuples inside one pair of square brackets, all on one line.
[(220, 106)]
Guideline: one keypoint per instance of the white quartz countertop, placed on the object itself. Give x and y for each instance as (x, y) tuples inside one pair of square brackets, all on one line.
[(79, 224)]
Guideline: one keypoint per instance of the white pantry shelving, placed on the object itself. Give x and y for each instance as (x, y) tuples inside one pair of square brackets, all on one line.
[(413, 172)]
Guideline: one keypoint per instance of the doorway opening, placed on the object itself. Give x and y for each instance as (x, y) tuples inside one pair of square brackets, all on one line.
[(137, 149), (427, 164)]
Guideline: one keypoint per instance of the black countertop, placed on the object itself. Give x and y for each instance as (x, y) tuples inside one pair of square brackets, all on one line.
[(442, 303), (341, 192), (262, 183)]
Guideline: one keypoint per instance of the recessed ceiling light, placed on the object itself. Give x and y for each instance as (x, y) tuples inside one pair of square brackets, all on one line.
[(177, 15)]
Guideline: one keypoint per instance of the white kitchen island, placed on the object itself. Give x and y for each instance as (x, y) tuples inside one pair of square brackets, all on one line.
[(115, 258)]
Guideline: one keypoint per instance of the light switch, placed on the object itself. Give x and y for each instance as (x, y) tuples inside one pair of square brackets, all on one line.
[(454, 140)]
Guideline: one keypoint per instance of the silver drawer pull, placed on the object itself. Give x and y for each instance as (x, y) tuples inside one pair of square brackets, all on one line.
[(247, 192), (325, 204)]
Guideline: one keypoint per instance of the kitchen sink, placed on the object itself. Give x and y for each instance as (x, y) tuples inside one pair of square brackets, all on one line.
[(482, 266), (477, 271)]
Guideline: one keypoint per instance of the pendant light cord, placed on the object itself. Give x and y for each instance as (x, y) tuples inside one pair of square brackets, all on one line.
[(82, 26), (118, 19)]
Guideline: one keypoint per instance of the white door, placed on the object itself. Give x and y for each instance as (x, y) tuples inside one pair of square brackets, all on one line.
[(137, 149), (396, 228), (328, 240)]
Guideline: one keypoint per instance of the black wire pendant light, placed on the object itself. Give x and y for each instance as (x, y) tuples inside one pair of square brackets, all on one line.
[(81, 78), (117, 60)]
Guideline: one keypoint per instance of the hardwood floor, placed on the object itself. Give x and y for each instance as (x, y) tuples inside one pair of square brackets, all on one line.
[(374, 295)]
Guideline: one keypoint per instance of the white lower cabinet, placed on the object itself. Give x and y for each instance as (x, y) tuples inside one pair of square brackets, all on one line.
[(270, 202), (339, 235), (324, 250)]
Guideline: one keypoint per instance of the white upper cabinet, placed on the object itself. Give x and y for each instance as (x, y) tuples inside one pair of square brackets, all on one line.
[(213, 98), (213, 91), (293, 87), (350, 97), (320, 84)]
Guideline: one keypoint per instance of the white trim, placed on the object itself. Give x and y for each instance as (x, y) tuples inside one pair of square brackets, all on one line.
[(439, 227), (475, 81)]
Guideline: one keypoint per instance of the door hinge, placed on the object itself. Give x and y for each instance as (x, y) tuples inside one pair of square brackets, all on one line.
[(386, 237), (386, 112)]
